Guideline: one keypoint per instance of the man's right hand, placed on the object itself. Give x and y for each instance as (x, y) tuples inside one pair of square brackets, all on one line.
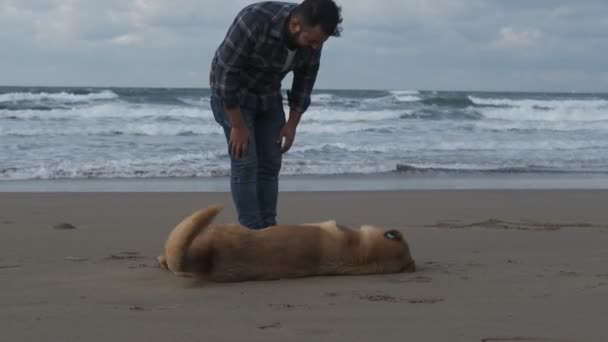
[(239, 140), (239, 133)]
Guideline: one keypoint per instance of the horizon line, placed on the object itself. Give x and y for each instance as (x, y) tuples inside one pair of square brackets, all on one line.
[(322, 89)]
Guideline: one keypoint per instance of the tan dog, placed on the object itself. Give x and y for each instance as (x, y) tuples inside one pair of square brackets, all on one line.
[(231, 252)]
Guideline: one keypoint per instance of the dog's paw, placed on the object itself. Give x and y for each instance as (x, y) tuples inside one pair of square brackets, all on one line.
[(162, 262)]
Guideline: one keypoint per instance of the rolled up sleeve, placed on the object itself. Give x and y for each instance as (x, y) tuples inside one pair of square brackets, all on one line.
[(303, 82)]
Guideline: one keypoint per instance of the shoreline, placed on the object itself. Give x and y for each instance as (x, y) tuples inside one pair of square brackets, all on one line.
[(290, 183)]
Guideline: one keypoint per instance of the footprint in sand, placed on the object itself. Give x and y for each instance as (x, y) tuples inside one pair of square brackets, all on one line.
[(603, 281), (125, 256), (425, 300), (76, 259), (286, 306), (390, 299), (332, 295), (275, 325), (156, 308), (451, 269), (5, 267), (380, 298), (416, 279), (529, 225), (64, 226)]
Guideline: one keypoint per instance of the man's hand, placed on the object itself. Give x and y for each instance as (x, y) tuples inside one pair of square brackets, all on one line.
[(288, 132), (287, 136), (239, 133), (239, 141)]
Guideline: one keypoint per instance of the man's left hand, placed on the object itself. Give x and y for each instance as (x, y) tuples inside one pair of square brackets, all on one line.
[(287, 136)]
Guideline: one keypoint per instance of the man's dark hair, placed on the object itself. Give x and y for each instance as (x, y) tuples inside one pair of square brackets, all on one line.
[(321, 12)]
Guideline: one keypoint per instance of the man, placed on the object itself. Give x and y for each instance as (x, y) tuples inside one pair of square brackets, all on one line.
[(266, 41)]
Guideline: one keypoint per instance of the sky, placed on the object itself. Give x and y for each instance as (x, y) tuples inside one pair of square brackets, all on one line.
[(488, 45)]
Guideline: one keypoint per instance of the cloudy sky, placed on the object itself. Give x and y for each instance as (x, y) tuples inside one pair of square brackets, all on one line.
[(537, 45)]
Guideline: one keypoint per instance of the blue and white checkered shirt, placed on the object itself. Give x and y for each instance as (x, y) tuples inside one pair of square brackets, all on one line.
[(249, 63)]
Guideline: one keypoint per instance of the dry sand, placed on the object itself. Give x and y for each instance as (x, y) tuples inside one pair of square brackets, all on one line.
[(493, 266)]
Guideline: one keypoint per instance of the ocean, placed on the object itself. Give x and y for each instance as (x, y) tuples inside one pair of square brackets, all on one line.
[(398, 138)]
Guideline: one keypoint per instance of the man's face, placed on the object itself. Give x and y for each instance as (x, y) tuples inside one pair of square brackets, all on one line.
[(307, 36)]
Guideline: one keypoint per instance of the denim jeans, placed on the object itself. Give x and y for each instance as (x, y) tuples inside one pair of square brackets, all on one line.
[(254, 177)]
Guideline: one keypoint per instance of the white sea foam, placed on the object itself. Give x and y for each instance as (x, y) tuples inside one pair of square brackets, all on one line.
[(538, 126), (316, 98), (548, 110), (109, 129), (61, 97), (193, 165), (203, 101), (112, 110), (327, 167), (406, 95), (330, 114), (341, 128), (181, 165), (344, 147), (404, 92)]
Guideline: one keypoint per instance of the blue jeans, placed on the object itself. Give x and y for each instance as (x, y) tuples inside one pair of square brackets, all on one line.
[(254, 178)]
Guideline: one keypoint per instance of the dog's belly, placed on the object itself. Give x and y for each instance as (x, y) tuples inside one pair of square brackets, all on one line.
[(285, 253)]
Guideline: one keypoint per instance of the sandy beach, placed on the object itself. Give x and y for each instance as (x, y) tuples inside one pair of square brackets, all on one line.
[(493, 265)]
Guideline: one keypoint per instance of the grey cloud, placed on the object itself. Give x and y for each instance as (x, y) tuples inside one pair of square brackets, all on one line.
[(514, 44)]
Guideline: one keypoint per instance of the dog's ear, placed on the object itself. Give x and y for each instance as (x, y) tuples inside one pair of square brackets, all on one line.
[(394, 235)]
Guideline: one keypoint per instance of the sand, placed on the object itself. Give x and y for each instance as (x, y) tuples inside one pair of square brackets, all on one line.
[(492, 266)]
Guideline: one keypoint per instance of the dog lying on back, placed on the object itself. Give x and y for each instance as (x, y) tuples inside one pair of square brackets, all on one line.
[(230, 252)]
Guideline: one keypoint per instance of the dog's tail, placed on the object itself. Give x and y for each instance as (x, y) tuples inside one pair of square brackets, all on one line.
[(176, 246)]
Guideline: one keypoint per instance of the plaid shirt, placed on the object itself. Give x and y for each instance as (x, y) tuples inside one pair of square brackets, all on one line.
[(249, 62)]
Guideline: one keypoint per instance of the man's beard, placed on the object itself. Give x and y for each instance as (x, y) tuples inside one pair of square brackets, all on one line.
[(292, 39)]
